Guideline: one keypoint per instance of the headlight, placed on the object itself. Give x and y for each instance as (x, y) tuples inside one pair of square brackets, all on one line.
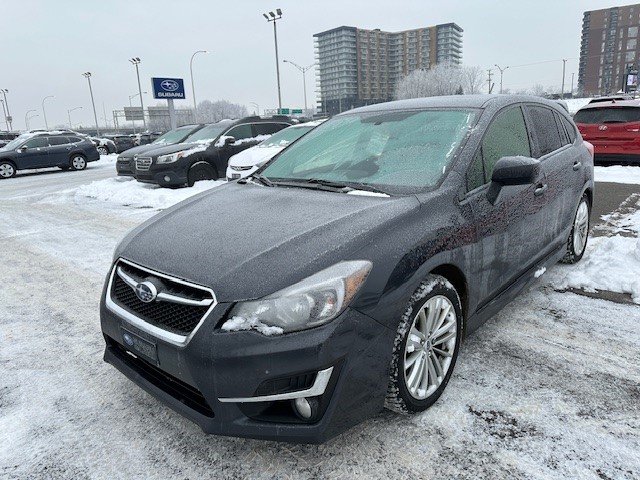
[(314, 301), (173, 157)]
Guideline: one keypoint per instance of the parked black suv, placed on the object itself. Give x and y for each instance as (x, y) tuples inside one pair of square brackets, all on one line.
[(343, 276), (122, 142), (125, 165), (46, 149), (205, 154)]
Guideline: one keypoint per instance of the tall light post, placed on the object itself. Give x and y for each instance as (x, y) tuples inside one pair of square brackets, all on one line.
[(136, 61), (87, 75), (8, 118), (502, 70), (274, 17), (193, 88), (44, 112), (131, 97), (27, 117), (303, 70), (69, 114), (257, 107), (4, 111)]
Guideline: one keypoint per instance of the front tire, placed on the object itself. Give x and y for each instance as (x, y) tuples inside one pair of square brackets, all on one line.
[(200, 171), (426, 346), (577, 241), (7, 169), (78, 162)]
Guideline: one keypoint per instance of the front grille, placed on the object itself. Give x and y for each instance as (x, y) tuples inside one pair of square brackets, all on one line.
[(241, 169), (143, 163), (173, 317), (183, 392)]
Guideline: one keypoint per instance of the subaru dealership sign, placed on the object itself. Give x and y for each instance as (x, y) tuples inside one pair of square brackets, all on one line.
[(168, 88)]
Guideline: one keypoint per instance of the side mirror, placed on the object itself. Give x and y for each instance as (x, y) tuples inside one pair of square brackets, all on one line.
[(23, 148), (229, 140), (512, 171)]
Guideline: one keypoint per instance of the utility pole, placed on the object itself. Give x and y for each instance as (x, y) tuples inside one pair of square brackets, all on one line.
[(193, 88), (136, 61), (7, 118), (489, 74), (564, 66), (572, 75), (273, 17), (502, 70), (87, 75)]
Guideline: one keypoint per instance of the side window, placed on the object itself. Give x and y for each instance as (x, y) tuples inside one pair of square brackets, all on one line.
[(268, 128), (545, 130), (475, 174), (506, 136), (58, 141), (570, 128), (37, 142), (564, 138), (240, 132), (75, 139)]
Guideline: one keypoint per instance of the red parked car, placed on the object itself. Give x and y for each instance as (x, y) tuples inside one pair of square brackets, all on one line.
[(613, 127)]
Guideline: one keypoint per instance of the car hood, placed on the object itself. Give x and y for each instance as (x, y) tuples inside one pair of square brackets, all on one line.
[(253, 156), (246, 241), (139, 150), (168, 149)]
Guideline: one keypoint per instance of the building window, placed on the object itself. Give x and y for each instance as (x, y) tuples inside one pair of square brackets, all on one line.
[(630, 57), (632, 32), (632, 44)]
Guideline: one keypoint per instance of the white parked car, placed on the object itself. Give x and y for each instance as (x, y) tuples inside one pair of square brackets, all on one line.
[(248, 161)]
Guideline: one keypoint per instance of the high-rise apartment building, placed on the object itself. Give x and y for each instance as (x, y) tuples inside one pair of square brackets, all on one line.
[(359, 67), (609, 48)]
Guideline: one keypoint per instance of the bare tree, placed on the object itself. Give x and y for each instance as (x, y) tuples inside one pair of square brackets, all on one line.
[(219, 110), (472, 79), (538, 90)]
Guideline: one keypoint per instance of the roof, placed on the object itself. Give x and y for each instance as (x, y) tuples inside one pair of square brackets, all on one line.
[(455, 101), (611, 103)]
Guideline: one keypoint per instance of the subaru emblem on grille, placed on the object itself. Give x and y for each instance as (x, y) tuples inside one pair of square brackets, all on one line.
[(146, 292)]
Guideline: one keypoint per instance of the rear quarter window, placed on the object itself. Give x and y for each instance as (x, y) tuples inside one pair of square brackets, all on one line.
[(545, 130)]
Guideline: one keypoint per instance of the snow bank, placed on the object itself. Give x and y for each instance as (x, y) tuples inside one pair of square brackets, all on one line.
[(125, 191), (236, 324), (575, 104), (617, 174)]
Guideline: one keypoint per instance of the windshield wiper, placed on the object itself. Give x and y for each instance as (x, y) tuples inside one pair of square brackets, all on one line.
[(260, 178), (348, 186)]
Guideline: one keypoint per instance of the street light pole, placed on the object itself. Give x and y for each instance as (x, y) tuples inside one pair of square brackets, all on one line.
[(69, 114), (274, 17), (136, 62), (44, 112), (502, 70), (8, 118), (193, 88), (4, 111), (564, 67), (87, 75), (27, 118), (303, 70), (257, 107), (131, 97)]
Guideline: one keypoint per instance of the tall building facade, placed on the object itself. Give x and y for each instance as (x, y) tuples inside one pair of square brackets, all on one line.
[(359, 67), (608, 49)]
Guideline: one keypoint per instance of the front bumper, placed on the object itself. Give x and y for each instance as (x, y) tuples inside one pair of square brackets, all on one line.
[(124, 168), (202, 379), (169, 175), (238, 174)]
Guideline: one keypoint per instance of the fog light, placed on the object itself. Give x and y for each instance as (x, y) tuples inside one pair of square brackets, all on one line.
[(303, 408), (167, 178)]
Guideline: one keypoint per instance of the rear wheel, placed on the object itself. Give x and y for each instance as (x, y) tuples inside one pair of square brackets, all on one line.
[(7, 169), (577, 241), (426, 346), (78, 162), (102, 150), (201, 171)]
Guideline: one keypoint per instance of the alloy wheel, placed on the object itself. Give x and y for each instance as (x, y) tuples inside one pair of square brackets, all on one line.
[(581, 228), (78, 162), (430, 347), (6, 170)]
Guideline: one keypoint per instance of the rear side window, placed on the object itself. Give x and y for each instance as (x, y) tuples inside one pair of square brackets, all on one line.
[(75, 139), (570, 128), (240, 132), (58, 141), (545, 129), (608, 115), (268, 128), (505, 137)]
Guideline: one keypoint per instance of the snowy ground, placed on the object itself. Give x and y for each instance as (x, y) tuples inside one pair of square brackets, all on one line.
[(548, 388)]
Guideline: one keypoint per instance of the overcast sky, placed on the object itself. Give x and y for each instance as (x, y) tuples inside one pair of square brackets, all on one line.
[(46, 45)]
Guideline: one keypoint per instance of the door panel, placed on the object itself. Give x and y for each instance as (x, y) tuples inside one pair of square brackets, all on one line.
[(36, 155), (59, 150)]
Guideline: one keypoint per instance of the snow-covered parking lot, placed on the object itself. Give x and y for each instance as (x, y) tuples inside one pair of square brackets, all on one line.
[(548, 388)]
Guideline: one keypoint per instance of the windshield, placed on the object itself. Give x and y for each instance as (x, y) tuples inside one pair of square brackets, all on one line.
[(608, 115), (399, 152), (209, 133), (174, 136), (16, 142), (285, 137)]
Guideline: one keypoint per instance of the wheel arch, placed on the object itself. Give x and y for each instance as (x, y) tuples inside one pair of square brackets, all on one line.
[(456, 277)]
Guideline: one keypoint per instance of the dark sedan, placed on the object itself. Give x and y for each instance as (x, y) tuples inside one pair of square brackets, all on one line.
[(343, 276), (46, 149)]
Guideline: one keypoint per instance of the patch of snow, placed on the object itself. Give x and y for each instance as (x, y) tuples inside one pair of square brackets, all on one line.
[(617, 174), (236, 324), (366, 193), (575, 104), (126, 191), (540, 272)]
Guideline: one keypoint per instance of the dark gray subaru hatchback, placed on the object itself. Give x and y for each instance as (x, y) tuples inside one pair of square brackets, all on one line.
[(344, 275)]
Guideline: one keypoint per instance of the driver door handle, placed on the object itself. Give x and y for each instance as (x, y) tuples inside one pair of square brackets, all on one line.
[(540, 189), (577, 165)]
